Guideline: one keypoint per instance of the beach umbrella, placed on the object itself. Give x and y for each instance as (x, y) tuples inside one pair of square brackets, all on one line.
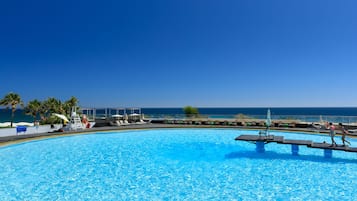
[(117, 115), (268, 121), (61, 116), (134, 114)]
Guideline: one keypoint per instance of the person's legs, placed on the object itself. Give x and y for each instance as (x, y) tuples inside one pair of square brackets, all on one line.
[(343, 140), (333, 140)]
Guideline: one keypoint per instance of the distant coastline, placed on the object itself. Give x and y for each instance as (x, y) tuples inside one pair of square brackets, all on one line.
[(5, 115), (333, 111)]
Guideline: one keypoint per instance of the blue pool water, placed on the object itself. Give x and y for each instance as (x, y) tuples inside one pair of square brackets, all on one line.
[(177, 164)]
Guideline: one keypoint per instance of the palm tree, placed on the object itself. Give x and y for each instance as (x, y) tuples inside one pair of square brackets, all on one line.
[(12, 99), (33, 108), (49, 106), (69, 104)]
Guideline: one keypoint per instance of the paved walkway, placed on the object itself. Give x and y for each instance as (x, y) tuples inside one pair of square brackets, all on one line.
[(19, 137)]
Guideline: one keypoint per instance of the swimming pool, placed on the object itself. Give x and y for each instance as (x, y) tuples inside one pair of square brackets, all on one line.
[(173, 164)]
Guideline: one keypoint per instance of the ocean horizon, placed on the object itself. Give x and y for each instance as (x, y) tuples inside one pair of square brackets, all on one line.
[(5, 114)]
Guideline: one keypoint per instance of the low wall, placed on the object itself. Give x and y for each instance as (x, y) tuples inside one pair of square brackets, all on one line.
[(30, 130)]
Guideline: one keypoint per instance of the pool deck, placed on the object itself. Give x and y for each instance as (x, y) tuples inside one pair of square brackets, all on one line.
[(27, 137), (281, 140)]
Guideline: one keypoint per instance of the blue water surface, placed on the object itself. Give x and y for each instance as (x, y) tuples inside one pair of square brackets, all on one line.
[(173, 164)]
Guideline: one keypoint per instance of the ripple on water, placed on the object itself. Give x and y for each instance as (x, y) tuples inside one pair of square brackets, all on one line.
[(187, 164)]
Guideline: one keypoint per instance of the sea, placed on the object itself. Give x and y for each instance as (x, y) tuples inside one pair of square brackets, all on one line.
[(224, 112)]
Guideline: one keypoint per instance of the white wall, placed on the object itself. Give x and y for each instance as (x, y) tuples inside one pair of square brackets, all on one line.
[(30, 130)]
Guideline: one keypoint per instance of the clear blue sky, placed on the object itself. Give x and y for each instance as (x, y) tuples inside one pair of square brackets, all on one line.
[(205, 53)]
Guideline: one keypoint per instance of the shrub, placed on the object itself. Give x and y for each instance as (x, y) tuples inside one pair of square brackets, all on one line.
[(191, 111)]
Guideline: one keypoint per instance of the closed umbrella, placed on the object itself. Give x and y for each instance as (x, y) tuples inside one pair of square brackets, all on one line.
[(268, 121)]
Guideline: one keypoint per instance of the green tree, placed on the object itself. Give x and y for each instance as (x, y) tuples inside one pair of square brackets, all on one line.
[(242, 116), (69, 104), (49, 106), (12, 100), (33, 108), (191, 111)]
